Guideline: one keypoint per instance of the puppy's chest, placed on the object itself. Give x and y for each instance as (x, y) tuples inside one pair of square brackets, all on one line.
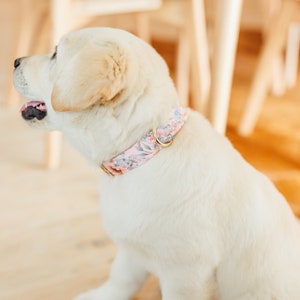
[(137, 220), (126, 220)]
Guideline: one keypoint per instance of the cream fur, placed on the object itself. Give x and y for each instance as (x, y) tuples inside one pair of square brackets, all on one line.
[(197, 215)]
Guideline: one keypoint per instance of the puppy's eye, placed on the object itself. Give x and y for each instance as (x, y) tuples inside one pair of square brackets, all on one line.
[(54, 54)]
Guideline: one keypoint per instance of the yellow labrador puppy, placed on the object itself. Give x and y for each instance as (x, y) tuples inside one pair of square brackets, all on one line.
[(177, 199)]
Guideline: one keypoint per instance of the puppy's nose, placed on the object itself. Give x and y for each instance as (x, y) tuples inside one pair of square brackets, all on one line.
[(17, 62)]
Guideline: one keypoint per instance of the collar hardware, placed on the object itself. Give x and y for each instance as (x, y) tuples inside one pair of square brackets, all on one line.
[(159, 142)]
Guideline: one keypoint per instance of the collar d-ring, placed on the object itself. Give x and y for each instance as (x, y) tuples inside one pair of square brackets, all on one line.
[(159, 142)]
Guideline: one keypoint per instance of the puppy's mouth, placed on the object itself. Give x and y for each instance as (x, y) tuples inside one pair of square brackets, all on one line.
[(34, 110)]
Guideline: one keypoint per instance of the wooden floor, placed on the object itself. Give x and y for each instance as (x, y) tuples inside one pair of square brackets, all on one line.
[(52, 245)]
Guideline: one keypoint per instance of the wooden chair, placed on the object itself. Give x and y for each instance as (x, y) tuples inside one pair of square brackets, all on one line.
[(275, 40)]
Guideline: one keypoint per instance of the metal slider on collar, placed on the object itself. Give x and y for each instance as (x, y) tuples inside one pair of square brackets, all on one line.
[(160, 143), (106, 171)]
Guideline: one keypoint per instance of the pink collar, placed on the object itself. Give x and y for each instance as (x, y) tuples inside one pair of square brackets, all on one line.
[(149, 145)]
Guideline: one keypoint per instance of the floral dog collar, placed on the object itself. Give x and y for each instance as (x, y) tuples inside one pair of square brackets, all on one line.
[(149, 145)]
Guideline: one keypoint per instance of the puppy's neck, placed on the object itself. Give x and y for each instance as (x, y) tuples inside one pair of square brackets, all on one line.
[(148, 146)]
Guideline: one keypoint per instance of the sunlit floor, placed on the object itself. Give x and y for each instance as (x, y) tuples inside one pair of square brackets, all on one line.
[(52, 245)]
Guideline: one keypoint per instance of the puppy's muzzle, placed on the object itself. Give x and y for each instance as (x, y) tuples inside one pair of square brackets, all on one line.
[(32, 109)]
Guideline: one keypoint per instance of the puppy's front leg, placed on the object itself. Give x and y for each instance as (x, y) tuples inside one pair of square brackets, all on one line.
[(126, 278)]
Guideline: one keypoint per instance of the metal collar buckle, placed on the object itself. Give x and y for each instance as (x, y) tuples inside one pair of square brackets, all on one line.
[(160, 143), (106, 171)]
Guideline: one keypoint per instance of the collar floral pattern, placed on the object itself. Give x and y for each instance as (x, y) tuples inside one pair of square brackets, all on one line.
[(148, 146)]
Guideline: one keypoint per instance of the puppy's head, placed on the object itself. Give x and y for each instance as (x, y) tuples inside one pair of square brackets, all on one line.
[(102, 73), (87, 67)]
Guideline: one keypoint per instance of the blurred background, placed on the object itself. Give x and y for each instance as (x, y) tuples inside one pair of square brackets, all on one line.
[(234, 61)]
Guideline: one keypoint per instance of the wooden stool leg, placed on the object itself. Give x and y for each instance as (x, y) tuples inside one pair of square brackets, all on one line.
[(292, 55), (200, 54), (142, 27), (272, 47), (224, 49), (61, 24), (183, 66), (53, 149), (278, 86)]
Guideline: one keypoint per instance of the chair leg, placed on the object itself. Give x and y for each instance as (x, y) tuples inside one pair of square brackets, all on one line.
[(278, 84), (183, 66), (53, 149), (273, 45), (292, 55), (142, 26), (61, 24), (200, 54), (224, 49)]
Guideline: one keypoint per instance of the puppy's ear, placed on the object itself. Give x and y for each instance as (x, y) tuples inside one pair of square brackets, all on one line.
[(91, 76)]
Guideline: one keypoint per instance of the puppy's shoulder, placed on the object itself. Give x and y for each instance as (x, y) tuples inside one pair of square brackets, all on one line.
[(199, 131)]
